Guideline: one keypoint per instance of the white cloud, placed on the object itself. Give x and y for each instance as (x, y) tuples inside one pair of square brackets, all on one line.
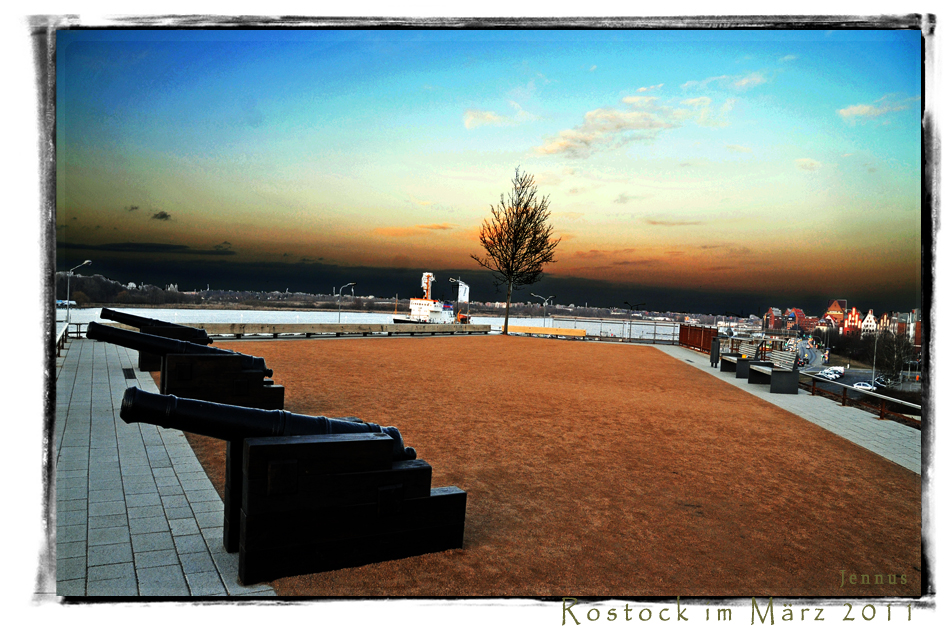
[(738, 148), (592, 68), (809, 165), (473, 118), (640, 101), (704, 83), (879, 107), (651, 88), (521, 114), (603, 129), (744, 81), (704, 114), (787, 58), (750, 80)]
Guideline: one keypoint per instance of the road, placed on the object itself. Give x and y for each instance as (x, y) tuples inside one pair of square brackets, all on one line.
[(851, 376)]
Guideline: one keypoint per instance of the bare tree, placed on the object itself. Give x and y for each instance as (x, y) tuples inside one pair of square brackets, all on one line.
[(890, 352), (518, 238)]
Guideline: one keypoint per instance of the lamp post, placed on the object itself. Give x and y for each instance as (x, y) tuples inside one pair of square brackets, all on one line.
[(631, 307), (545, 301), (69, 291), (827, 341), (873, 369), (352, 285)]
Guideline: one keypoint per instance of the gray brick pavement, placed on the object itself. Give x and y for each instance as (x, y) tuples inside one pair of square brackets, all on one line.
[(891, 440), (135, 513)]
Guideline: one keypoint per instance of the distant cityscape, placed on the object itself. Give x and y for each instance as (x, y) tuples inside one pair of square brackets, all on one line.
[(838, 317)]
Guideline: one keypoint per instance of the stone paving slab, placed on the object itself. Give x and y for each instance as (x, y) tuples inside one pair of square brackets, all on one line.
[(135, 513), (891, 440)]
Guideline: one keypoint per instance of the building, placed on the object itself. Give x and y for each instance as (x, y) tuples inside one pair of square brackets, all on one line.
[(797, 320), (836, 312), (772, 319), (869, 325), (851, 325), (789, 319)]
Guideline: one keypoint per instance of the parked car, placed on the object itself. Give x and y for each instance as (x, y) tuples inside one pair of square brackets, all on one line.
[(883, 381), (862, 386)]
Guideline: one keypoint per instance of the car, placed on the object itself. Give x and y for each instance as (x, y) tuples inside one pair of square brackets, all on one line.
[(862, 386), (883, 381)]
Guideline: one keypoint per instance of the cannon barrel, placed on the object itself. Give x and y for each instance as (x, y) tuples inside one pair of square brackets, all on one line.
[(224, 421), (199, 334), (162, 346)]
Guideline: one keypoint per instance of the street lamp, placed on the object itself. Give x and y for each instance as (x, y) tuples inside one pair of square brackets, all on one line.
[(631, 307), (545, 301), (827, 341), (352, 285), (69, 291), (873, 369)]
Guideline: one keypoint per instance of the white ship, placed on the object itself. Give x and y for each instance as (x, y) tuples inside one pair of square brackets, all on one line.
[(426, 310)]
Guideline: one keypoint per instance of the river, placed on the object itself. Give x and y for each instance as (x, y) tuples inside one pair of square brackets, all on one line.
[(643, 330)]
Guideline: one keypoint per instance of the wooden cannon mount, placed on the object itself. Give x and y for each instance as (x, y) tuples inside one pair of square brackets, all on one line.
[(200, 372), (310, 494)]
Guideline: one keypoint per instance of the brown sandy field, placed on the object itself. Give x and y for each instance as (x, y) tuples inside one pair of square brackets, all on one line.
[(604, 470)]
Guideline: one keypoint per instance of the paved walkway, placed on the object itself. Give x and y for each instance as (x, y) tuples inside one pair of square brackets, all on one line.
[(135, 512), (891, 440)]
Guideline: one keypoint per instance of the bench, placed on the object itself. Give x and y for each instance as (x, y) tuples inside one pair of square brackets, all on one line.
[(781, 371), (737, 360)]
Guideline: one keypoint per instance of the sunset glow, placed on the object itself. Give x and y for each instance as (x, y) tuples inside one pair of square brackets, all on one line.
[(739, 161)]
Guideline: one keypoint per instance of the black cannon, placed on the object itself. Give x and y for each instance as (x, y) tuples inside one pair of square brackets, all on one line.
[(309, 494), (191, 370), (165, 345), (230, 422), (195, 335), (148, 362)]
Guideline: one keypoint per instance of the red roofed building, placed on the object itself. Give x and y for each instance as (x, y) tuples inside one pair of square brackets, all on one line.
[(772, 319), (836, 312), (852, 322)]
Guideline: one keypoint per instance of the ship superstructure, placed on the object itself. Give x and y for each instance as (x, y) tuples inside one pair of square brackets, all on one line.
[(427, 310)]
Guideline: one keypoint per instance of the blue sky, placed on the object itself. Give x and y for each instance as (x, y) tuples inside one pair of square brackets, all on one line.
[(664, 153)]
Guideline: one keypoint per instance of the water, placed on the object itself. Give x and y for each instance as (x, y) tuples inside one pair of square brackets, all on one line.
[(639, 330)]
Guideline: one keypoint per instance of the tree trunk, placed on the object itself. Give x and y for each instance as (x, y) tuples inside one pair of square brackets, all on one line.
[(508, 299)]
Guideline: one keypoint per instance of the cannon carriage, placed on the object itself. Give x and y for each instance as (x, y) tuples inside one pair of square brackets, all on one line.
[(308, 493), (201, 372)]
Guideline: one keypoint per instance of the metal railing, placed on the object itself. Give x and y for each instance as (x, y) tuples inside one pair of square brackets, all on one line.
[(61, 339), (621, 330), (72, 330), (697, 337), (845, 399)]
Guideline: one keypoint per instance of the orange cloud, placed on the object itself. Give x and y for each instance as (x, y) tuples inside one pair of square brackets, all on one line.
[(411, 231), (654, 222), (396, 232)]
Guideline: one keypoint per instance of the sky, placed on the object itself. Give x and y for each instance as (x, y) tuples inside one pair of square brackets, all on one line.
[(694, 170)]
